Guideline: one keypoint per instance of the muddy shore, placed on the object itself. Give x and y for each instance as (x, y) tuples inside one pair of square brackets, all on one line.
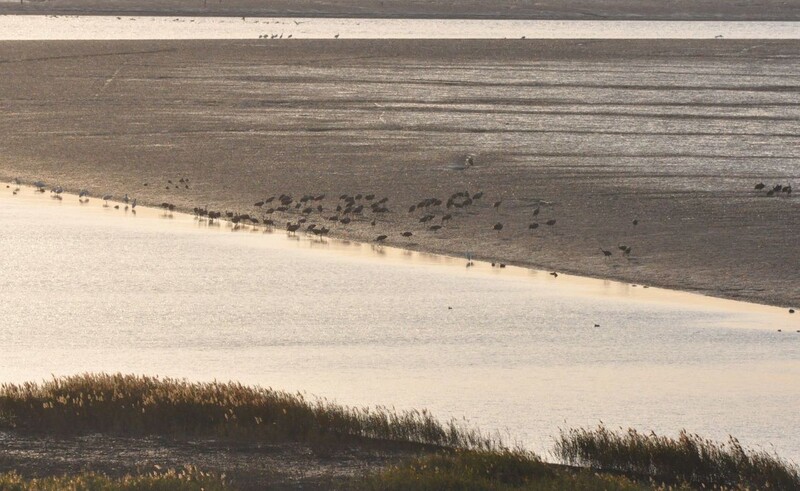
[(777, 10), (246, 466), (596, 134)]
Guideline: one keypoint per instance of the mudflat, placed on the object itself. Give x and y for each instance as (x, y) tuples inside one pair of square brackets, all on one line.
[(506, 9), (593, 134)]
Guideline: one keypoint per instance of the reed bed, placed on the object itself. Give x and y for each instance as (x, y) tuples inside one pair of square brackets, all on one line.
[(189, 479), (687, 459), (141, 405)]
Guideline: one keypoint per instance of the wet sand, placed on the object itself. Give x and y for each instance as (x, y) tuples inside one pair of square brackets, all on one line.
[(596, 133), (779, 10)]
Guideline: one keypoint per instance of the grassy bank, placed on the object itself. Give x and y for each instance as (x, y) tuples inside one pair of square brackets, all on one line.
[(139, 405), (492, 470), (448, 456)]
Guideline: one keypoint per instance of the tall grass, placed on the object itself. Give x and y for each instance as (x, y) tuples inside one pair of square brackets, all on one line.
[(138, 405), (689, 458), (189, 479)]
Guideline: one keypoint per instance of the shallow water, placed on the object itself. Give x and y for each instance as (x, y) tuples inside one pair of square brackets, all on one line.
[(93, 288), (61, 27)]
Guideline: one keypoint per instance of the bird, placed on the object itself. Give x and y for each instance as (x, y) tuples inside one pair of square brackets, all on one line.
[(259, 204), (605, 252), (554, 274), (498, 226), (760, 186), (380, 238), (551, 222), (434, 228), (83, 193), (533, 226), (635, 222), (497, 204), (292, 228), (406, 234), (536, 211), (336, 36), (106, 198)]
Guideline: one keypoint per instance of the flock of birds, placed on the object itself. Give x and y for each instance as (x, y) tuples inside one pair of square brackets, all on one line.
[(776, 190), (316, 214), (305, 211)]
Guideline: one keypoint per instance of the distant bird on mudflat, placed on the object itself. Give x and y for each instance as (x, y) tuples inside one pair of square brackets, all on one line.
[(760, 186), (106, 198), (498, 226), (605, 252), (406, 234), (434, 228), (497, 204), (380, 238), (635, 222), (551, 222), (554, 274), (533, 226), (536, 211)]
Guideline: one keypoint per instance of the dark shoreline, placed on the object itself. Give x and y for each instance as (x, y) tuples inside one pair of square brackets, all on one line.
[(708, 10)]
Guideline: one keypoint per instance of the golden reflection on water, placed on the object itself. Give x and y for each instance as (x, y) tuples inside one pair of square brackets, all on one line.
[(368, 324)]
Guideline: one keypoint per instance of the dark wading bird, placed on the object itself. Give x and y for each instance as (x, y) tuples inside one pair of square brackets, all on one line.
[(497, 204), (605, 252), (533, 226), (760, 186), (406, 234), (498, 226), (551, 222), (380, 238)]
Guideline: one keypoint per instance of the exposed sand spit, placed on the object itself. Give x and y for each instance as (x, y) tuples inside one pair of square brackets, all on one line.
[(596, 134)]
